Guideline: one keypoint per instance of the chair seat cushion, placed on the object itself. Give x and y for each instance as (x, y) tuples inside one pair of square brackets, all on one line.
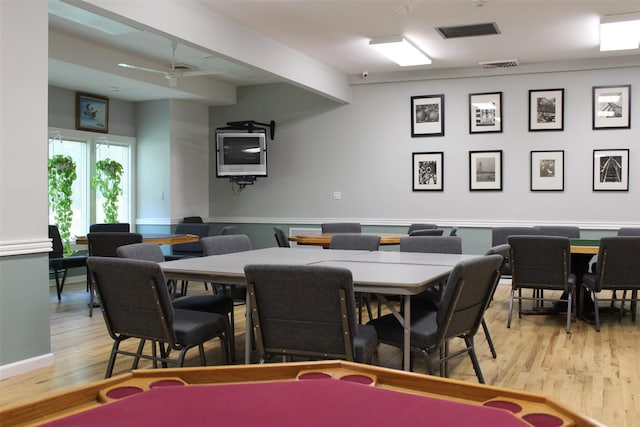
[(194, 327), (365, 343), (220, 304), (424, 326), (591, 281), (68, 262)]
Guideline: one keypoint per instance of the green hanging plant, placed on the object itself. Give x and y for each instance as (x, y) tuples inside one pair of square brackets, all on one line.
[(107, 180), (61, 175)]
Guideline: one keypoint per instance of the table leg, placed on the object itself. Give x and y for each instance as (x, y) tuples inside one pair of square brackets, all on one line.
[(247, 334), (407, 333)]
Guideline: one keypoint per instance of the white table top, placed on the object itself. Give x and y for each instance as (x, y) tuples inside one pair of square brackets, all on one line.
[(395, 257)]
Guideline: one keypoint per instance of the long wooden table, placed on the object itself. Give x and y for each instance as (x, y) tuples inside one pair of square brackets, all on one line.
[(290, 394), (160, 239), (403, 274), (324, 240)]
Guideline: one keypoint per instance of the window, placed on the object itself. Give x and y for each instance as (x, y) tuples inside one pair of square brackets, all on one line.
[(87, 148)]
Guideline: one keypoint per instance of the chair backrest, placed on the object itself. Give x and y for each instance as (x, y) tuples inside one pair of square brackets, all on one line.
[(502, 250), (281, 237), (105, 244), (219, 245), (56, 242), (360, 242), (341, 227), (302, 310), (499, 235), (466, 296), (431, 244), (230, 229), (420, 226), (427, 232), (141, 251), (114, 227), (193, 248), (629, 231), (192, 220), (454, 231), (558, 230), (619, 263), (134, 298), (540, 261)]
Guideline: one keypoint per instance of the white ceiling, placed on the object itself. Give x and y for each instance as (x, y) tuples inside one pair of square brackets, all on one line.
[(335, 33)]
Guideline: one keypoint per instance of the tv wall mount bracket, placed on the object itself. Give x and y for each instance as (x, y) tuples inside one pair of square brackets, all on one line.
[(251, 126)]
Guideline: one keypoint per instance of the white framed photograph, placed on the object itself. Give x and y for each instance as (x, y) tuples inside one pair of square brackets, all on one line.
[(485, 112), (428, 171), (611, 170), (546, 110), (611, 107), (485, 170), (427, 115), (547, 170)]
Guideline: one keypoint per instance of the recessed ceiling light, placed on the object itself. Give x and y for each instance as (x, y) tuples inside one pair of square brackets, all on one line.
[(400, 50), (620, 32)]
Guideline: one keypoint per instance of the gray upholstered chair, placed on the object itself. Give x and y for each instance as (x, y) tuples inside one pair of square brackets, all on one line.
[(459, 315), (629, 231), (503, 251), (192, 220), (220, 304), (499, 236), (453, 231), (281, 237), (230, 229), (307, 311), (136, 304), (60, 264), (541, 263), (341, 227), (111, 227), (359, 242), (618, 270), (558, 230), (225, 244), (420, 226), (431, 244), (192, 249), (427, 232), (105, 244)]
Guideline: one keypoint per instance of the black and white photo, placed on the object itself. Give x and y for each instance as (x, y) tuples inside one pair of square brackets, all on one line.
[(485, 170), (427, 171), (427, 115), (547, 170), (611, 107), (611, 170), (485, 112), (546, 110)]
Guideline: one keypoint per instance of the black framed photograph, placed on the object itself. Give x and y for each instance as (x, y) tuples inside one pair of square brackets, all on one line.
[(427, 115), (611, 170), (92, 113), (546, 110), (485, 170), (547, 170), (428, 171), (485, 112), (611, 107)]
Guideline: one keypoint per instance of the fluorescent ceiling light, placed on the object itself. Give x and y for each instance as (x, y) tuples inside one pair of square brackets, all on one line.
[(620, 32), (400, 50)]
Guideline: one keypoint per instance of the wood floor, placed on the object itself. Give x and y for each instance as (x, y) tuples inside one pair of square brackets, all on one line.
[(597, 374)]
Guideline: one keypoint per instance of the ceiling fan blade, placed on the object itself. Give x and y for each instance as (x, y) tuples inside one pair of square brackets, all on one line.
[(135, 67), (200, 73)]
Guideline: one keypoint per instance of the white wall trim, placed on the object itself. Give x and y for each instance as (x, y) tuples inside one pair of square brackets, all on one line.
[(26, 365), (24, 247), (403, 222)]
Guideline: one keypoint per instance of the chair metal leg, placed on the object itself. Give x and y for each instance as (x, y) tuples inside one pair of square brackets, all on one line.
[(596, 310), (510, 308), (112, 359), (474, 359), (136, 359), (203, 359), (569, 309), (489, 340)]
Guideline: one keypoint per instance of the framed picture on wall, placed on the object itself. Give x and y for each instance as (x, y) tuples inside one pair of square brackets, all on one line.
[(427, 115), (485, 170), (546, 110), (611, 107), (92, 113), (428, 171), (485, 112), (547, 170), (611, 170)]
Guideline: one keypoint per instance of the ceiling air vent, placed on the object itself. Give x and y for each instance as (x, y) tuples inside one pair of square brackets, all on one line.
[(468, 30), (502, 63)]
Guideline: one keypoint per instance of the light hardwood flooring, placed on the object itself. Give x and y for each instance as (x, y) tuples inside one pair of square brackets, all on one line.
[(597, 374)]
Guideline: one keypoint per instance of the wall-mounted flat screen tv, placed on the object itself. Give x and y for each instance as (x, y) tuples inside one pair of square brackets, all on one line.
[(241, 154)]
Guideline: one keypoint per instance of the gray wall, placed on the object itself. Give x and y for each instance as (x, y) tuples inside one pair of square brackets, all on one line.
[(364, 150)]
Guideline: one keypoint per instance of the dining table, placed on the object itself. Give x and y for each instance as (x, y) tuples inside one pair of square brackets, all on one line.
[(160, 239), (381, 273), (324, 239)]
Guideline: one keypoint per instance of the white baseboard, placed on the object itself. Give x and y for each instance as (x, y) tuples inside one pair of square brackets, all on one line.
[(27, 365)]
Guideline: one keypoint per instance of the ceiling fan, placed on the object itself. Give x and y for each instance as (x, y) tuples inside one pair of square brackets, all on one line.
[(176, 72)]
